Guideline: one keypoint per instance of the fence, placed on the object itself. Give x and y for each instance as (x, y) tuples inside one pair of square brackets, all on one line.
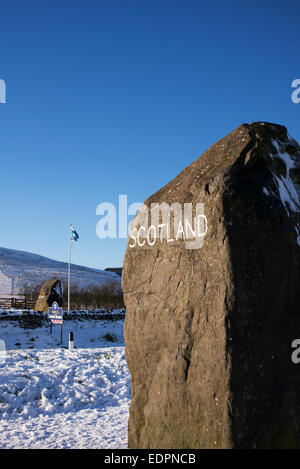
[(16, 303)]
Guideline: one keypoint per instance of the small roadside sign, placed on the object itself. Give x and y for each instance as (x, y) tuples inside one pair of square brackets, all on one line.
[(55, 314)]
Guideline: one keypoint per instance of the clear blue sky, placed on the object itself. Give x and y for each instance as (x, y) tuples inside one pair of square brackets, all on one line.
[(116, 97)]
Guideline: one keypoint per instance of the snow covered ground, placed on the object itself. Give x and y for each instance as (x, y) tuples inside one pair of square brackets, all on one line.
[(51, 397)]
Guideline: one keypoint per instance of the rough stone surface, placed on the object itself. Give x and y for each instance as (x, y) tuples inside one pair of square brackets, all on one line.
[(51, 291), (208, 331)]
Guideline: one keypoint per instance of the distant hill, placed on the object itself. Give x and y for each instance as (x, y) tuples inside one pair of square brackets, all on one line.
[(117, 270), (19, 269)]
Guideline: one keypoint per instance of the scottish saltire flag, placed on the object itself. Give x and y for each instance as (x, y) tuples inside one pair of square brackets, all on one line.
[(74, 234)]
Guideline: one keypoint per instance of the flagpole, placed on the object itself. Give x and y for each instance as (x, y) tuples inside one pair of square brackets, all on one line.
[(69, 267)]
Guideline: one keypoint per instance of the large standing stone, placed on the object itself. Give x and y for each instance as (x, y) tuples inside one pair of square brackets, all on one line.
[(51, 291), (208, 331)]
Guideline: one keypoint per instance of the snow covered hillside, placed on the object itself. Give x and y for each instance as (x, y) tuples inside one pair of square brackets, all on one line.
[(19, 269), (51, 397)]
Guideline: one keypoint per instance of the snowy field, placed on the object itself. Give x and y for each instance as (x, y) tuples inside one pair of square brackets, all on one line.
[(51, 397)]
